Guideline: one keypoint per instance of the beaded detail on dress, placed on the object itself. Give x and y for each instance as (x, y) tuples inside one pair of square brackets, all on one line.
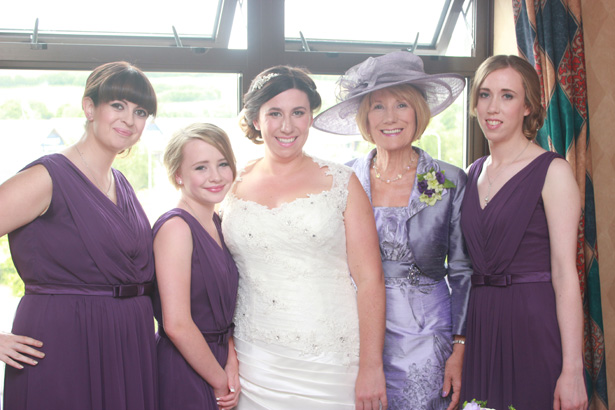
[(295, 288)]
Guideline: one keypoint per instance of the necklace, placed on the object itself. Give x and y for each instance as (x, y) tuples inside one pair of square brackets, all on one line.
[(490, 182), (193, 213), (94, 176), (215, 236), (398, 177)]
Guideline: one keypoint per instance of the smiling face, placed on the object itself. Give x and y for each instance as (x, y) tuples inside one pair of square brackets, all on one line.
[(116, 124), (391, 122), (204, 175), (284, 122), (500, 106)]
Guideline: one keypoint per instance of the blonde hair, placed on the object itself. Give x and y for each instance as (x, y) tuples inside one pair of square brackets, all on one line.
[(531, 85), (208, 133), (403, 92)]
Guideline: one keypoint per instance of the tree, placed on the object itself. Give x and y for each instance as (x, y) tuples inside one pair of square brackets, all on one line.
[(8, 273), (11, 110), (39, 111), (69, 111), (135, 166)]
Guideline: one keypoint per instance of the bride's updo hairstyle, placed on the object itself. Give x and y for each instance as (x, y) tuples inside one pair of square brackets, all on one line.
[(267, 85)]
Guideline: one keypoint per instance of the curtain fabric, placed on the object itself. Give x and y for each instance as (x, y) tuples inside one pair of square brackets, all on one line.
[(550, 36)]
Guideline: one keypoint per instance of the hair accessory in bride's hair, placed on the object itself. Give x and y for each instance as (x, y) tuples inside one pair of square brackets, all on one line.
[(263, 80)]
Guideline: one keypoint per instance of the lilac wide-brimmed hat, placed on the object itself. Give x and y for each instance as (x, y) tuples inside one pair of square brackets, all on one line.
[(399, 67)]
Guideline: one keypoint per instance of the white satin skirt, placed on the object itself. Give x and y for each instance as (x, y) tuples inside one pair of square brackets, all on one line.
[(274, 377)]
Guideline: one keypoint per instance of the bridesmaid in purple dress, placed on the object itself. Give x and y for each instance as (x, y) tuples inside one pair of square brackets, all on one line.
[(520, 217), (196, 277), (416, 201), (83, 247)]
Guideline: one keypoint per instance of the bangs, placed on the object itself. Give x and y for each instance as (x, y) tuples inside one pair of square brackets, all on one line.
[(129, 85), (407, 93)]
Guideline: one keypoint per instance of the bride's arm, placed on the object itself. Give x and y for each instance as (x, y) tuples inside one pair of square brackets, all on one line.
[(366, 269)]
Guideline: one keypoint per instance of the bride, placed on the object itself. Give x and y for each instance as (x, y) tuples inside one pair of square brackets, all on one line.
[(310, 311)]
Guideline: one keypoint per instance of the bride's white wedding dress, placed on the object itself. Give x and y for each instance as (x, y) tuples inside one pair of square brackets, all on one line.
[(296, 323)]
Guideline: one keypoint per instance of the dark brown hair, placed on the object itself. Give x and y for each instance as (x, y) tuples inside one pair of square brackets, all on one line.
[(267, 85), (120, 81)]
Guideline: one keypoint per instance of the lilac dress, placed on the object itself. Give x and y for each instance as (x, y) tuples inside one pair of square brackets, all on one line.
[(422, 249), (100, 349), (213, 293), (513, 348)]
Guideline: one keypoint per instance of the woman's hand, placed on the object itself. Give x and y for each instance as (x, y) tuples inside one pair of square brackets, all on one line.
[(370, 390), (220, 387), (13, 349), (232, 398), (452, 375), (570, 393)]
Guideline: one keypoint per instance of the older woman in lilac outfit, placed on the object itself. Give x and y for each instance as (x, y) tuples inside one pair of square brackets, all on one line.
[(416, 202)]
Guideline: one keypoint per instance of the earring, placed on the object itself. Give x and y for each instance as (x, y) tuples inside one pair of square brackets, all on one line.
[(180, 182)]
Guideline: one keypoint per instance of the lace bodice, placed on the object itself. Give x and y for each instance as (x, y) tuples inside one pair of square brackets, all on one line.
[(295, 288)]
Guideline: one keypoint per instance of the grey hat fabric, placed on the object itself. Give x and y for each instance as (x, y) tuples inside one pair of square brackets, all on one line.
[(399, 67)]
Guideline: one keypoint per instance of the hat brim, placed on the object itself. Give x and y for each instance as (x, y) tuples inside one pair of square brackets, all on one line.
[(440, 91)]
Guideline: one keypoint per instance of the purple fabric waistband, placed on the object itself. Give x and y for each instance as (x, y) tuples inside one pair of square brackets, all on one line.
[(116, 291), (221, 337), (510, 279), (406, 270)]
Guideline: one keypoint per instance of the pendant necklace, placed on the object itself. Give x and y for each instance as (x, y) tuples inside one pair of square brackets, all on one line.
[(94, 176), (490, 182), (398, 177)]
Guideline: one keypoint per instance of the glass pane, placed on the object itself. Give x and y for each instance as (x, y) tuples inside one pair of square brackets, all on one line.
[(239, 33), (190, 17), (390, 21), (462, 40), (40, 113)]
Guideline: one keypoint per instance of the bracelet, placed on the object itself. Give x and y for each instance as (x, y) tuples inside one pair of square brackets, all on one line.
[(459, 341)]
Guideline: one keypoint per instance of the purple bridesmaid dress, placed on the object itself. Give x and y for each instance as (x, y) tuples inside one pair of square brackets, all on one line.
[(87, 265), (213, 293), (513, 352)]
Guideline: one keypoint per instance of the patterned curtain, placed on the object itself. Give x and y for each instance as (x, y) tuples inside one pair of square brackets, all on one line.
[(550, 35)]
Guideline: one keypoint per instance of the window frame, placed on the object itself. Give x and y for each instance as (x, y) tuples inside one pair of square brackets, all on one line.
[(266, 46)]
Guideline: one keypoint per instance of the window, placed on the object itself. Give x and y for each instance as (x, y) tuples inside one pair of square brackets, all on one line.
[(112, 25), (112, 20), (416, 25), (40, 113)]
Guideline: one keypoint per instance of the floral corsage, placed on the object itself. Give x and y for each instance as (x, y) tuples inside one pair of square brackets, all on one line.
[(431, 185), (479, 405)]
